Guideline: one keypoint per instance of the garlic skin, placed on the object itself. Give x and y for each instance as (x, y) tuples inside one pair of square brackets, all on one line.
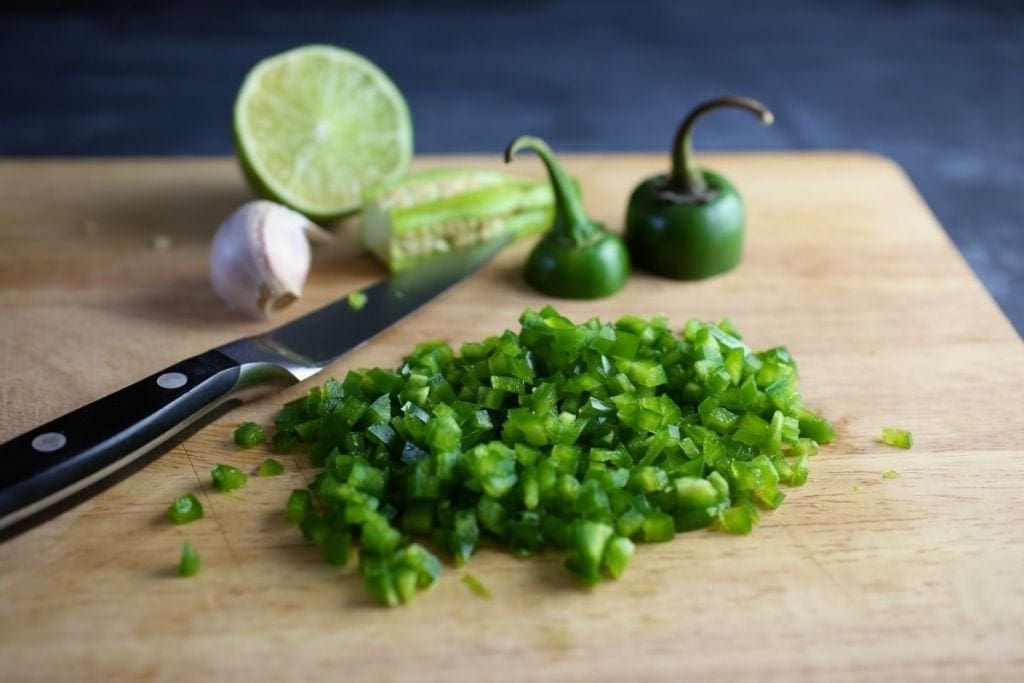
[(260, 258)]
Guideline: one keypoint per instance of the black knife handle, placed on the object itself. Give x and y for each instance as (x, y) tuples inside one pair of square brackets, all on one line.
[(51, 462)]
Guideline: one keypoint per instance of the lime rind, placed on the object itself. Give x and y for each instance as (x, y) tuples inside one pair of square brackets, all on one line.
[(316, 125)]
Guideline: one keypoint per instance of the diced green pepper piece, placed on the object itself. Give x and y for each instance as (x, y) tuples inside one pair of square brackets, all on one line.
[(394, 578), (695, 493), (658, 527), (617, 554), (379, 537), (738, 519), (587, 540), (816, 427), (185, 509), (426, 566), (900, 438), (443, 434), (751, 429), (188, 563), (733, 363), (249, 435), (269, 468), (592, 502), (492, 468), (783, 394), (474, 584), (648, 479), (299, 504), (492, 515), (799, 476), (464, 536), (228, 478), (378, 579), (510, 384)]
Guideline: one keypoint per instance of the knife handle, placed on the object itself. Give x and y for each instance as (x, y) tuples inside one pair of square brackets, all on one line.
[(56, 460)]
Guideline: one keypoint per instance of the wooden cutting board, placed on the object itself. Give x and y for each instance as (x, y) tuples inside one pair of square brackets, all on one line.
[(855, 577)]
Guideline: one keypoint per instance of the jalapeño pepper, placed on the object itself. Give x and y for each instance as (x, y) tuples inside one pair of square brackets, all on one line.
[(576, 258), (689, 225)]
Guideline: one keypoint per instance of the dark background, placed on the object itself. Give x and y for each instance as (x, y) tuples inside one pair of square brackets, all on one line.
[(938, 86)]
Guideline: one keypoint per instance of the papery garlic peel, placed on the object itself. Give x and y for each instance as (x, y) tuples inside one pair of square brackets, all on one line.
[(260, 258)]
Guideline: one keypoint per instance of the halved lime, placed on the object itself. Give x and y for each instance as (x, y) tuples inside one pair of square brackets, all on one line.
[(316, 125)]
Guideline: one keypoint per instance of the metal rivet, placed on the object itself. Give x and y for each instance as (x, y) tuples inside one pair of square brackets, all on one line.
[(49, 442), (172, 380)]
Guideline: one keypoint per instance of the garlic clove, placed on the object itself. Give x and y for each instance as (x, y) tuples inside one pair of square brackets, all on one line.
[(260, 258)]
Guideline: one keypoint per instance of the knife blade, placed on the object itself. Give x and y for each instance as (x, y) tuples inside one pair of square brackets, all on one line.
[(75, 454)]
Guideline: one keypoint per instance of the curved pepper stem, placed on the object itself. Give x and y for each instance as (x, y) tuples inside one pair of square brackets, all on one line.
[(686, 178), (570, 221)]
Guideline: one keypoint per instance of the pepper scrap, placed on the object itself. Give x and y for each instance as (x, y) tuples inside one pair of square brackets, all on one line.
[(576, 258), (689, 225)]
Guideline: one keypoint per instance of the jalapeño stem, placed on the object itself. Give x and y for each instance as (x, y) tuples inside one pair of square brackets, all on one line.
[(570, 222), (686, 178)]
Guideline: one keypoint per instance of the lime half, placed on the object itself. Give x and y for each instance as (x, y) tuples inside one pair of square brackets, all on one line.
[(316, 125)]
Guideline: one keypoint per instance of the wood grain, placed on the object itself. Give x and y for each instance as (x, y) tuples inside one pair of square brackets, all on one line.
[(854, 577)]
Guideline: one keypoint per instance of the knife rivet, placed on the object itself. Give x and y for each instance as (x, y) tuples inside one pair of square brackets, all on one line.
[(171, 380), (49, 442)]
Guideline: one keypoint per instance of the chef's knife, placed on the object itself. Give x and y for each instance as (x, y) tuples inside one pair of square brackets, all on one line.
[(71, 454)]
